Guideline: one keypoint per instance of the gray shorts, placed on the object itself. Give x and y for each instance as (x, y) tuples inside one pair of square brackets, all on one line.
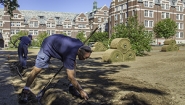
[(42, 60)]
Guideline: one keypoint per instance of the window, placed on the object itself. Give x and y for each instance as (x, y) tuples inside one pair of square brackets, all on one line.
[(165, 6), (179, 8), (15, 31), (165, 15), (67, 25), (148, 23), (117, 8), (180, 25), (50, 25), (68, 33), (179, 35), (33, 24), (51, 32), (116, 17), (1, 23), (133, 12), (121, 15), (18, 23), (148, 4), (15, 24), (15, 15), (99, 19), (179, 17), (81, 26), (1, 31), (148, 13), (105, 13), (82, 19), (33, 32), (126, 15)]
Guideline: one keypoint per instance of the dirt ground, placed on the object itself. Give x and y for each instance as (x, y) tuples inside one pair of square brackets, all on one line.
[(156, 79)]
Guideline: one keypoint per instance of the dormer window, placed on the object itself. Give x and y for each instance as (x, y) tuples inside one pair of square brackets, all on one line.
[(173, 2), (15, 15), (41, 17), (82, 19), (179, 8), (148, 4), (33, 24)]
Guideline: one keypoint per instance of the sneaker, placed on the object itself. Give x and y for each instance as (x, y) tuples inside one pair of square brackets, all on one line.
[(25, 96), (73, 91)]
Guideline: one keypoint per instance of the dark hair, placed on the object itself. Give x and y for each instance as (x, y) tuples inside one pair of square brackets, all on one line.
[(86, 49)]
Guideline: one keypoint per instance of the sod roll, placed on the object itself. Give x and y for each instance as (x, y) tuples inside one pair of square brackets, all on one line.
[(130, 55), (166, 48), (112, 55), (175, 47), (98, 46), (123, 44), (169, 42)]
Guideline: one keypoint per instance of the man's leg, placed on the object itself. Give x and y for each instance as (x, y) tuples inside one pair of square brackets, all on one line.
[(26, 93), (20, 54), (32, 76), (25, 53)]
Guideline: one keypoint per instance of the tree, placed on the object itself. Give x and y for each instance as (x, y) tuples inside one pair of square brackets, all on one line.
[(81, 36), (100, 37), (165, 28), (15, 37), (139, 38), (40, 38), (10, 4)]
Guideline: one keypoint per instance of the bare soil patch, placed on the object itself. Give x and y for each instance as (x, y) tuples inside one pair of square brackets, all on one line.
[(156, 79)]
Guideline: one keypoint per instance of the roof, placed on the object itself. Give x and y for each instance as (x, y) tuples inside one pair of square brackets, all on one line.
[(28, 14)]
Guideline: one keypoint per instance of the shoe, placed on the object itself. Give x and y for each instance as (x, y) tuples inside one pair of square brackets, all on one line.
[(74, 92), (24, 67), (25, 96)]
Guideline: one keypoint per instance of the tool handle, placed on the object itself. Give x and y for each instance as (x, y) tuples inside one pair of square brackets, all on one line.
[(90, 35)]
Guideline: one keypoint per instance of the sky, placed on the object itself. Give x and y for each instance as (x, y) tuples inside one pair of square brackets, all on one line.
[(71, 6)]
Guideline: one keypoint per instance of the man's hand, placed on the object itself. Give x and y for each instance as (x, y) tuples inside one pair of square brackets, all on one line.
[(84, 95), (71, 76)]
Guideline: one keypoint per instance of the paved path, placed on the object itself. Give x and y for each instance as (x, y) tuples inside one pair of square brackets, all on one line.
[(7, 92)]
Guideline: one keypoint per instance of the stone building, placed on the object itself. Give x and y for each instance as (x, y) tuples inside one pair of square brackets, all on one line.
[(149, 12)]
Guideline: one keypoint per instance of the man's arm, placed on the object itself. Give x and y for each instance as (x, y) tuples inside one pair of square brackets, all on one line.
[(71, 76)]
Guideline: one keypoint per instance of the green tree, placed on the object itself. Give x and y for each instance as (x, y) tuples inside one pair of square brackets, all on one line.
[(39, 39), (81, 36), (100, 37), (11, 5), (165, 28), (14, 39), (139, 38)]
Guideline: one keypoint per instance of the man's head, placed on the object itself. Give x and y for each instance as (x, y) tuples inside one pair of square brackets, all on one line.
[(30, 36), (84, 52)]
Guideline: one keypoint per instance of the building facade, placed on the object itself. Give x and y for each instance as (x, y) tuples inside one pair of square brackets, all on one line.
[(149, 12), (98, 17), (36, 22)]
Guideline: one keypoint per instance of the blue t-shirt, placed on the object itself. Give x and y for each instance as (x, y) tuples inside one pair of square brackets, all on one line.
[(25, 40), (62, 47)]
